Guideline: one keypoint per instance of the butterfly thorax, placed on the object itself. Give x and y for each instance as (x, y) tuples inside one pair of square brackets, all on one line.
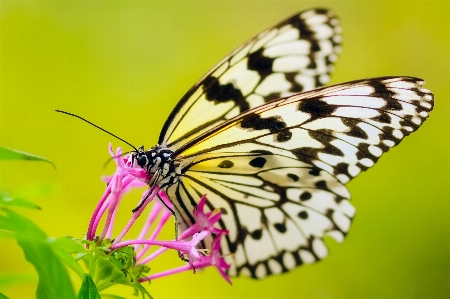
[(158, 162)]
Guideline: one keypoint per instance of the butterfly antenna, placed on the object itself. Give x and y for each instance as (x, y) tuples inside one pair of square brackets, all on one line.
[(83, 119)]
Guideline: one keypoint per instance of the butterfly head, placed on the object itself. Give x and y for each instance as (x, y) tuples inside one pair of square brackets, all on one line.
[(140, 157), (157, 159)]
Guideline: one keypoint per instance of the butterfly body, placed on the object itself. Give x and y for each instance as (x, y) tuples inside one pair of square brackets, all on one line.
[(158, 162), (273, 150)]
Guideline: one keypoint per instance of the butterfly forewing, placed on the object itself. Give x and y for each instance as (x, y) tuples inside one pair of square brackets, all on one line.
[(293, 56), (342, 129), (277, 171)]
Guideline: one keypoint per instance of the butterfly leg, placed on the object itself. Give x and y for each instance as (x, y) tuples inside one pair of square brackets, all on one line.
[(152, 184), (176, 225)]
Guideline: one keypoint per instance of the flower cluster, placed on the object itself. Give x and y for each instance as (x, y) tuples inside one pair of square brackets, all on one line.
[(127, 177)]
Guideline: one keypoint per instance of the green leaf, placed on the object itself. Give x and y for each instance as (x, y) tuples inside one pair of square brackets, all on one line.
[(143, 291), (2, 296), (16, 202), (63, 247), (16, 198), (88, 289), (53, 279), (11, 154), (108, 268), (105, 273)]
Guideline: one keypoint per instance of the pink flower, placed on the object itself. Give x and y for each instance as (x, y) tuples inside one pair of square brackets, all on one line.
[(125, 177), (215, 259), (128, 176), (204, 221), (186, 247)]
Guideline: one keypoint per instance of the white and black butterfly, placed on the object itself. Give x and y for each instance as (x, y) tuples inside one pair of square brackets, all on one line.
[(275, 161)]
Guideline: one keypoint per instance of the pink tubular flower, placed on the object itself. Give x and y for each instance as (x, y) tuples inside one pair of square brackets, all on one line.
[(128, 176), (125, 177), (186, 247), (213, 259), (204, 221)]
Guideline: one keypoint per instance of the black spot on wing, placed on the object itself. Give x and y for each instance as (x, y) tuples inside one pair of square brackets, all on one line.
[(216, 92), (317, 80), (256, 122), (316, 108), (407, 122), (281, 227), (305, 196), (315, 47), (306, 33), (322, 185), (305, 154), (383, 118), (322, 135), (275, 124), (293, 177), (312, 65), (380, 89), (303, 28), (393, 105), (226, 164), (283, 136), (308, 154), (295, 86), (355, 130), (327, 58), (364, 152), (342, 168), (315, 171), (256, 234), (303, 215), (233, 245), (260, 63), (386, 134), (258, 162)]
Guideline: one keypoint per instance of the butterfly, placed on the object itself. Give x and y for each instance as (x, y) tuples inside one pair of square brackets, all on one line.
[(273, 149)]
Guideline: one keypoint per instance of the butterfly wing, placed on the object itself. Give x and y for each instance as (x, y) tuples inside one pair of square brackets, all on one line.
[(278, 171), (293, 56), (277, 209)]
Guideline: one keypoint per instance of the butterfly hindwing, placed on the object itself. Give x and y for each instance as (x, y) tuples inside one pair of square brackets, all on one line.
[(293, 56), (278, 171), (277, 209)]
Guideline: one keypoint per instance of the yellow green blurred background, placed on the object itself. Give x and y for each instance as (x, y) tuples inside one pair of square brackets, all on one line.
[(125, 64)]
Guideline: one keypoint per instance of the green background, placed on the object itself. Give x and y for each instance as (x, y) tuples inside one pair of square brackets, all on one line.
[(124, 65)]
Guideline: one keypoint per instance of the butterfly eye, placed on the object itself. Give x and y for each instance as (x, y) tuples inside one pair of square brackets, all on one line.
[(142, 160)]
